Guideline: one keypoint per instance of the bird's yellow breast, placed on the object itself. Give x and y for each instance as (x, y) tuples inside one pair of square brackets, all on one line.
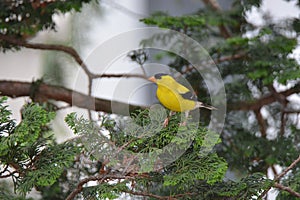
[(172, 100)]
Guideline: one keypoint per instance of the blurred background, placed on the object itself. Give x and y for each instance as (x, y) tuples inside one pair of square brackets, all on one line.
[(98, 23)]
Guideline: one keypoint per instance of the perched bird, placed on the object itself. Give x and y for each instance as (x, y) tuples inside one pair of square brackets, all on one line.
[(175, 96)]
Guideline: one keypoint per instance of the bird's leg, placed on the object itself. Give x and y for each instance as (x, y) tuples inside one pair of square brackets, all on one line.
[(166, 122), (186, 113)]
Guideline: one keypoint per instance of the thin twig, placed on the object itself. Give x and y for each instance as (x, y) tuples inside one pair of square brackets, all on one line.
[(287, 169), (216, 7), (129, 176), (8, 175), (216, 61), (99, 178), (291, 111), (66, 49), (266, 100), (53, 47), (119, 76), (277, 179), (171, 197), (287, 189), (262, 123)]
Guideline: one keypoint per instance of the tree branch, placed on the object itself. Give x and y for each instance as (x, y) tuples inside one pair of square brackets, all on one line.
[(268, 99), (144, 194), (230, 57), (288, 169), (52, 47), (9, 174), (99, 178), (291, 111), (46, 92), (104, 177), (277, 179), (261, 122), (216, 7), (120, 76), (66, 49), (216, 61), (287, 189)]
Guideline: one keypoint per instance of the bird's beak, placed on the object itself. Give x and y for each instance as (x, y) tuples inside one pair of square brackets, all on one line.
[(152, 79)]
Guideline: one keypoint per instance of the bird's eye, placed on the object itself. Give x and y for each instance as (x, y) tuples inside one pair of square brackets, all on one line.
[(158, 76)]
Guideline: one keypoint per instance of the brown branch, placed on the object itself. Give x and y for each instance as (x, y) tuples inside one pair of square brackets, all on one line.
[(277, 178), (279, 97), (283, 123), (274, 170), (291, 111), (288, 169), (287, 189), (120, 76), (52, 47), (9, 175), (99, 178), (213, 4), (171, 197), (66, 49), (261, 122), (216, 7), (217, 61), (104, 177), (266, 100), (46, 92), (144, 194), (229, 58)]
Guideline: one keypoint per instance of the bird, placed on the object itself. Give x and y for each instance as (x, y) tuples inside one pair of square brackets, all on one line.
[(175, 96)]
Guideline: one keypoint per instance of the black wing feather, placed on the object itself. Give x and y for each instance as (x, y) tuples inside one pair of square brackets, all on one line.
[(189, 96)]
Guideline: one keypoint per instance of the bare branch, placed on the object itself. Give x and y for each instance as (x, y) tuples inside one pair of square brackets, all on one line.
[(291, 111), (217, 61), (229, 58), (279, 97), (120, 76), (52, 47), (216, 7), (268, 99), (287, 189), (277, 179), (100, 178), (144, 194), (173, 197), (45, 92), (261, 122), (288, 169), (104, 177), (9, 174), (69, 50), (283, 123)]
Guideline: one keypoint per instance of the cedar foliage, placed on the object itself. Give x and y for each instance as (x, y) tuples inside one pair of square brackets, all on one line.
[(247, 148)]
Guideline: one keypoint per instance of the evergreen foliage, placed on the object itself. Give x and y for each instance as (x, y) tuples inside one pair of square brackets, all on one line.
[(261, 132), (30, 149)]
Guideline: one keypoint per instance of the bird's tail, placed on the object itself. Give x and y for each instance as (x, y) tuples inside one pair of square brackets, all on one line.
[(202, 105)]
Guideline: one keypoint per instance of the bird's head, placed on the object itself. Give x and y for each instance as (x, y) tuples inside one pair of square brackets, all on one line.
[(161, 78)]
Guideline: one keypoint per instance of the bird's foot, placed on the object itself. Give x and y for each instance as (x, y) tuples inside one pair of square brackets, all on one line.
[(166, 122), (182, 123)]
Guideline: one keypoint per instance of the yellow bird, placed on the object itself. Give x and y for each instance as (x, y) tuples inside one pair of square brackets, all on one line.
[(175, 96)]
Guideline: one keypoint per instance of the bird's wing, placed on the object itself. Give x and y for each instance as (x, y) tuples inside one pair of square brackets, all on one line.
[(189, 96), (184, 92), (180, 88)]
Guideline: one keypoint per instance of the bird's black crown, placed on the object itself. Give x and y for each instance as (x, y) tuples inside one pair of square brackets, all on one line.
[(158, 76)]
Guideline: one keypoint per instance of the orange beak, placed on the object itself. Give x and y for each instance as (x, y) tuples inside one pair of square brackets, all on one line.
[(152, 79)]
